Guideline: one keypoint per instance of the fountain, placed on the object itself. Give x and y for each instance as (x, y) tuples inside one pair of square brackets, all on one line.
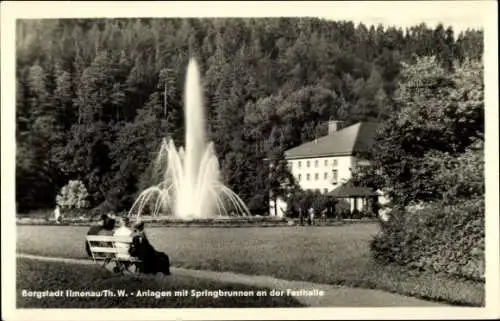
[(190, 187)]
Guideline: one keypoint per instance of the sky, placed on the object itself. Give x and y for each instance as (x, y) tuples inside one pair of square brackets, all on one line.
[(459, 14)]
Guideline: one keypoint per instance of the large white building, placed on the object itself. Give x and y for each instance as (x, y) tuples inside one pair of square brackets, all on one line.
[(326, 163)]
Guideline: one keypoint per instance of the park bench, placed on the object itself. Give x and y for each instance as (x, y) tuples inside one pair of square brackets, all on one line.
[(113, 258)]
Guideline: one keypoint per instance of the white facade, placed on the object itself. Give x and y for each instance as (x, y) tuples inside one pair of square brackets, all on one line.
[(323, 174), (313, 170)]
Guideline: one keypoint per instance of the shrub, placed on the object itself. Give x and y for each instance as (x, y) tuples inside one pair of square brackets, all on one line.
[(258, 203), (439, 238), (74, 195), (356, 214)]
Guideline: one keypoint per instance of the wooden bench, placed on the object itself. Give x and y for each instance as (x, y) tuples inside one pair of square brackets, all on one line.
[(104, 250)]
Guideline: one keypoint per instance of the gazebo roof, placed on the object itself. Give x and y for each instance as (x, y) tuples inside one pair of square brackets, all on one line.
[(348, 190)]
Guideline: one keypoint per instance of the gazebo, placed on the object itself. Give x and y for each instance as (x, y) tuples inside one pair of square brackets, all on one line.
[(359, 197)]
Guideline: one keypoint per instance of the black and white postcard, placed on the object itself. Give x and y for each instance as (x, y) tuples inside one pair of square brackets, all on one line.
[(249, 160)]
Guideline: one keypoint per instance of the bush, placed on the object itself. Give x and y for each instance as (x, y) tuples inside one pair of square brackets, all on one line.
[(439, 238), (258, 203), (73, 195)]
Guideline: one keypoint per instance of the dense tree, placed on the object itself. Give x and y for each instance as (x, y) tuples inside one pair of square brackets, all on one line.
[(96, 96), (422, 151)]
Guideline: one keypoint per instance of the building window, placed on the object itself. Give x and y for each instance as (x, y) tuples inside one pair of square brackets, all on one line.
[(335, 178), (316, 163), (308, 177), (316, 176), (326, 162), (326, 175), (300, 177), (335, 163), (308, 164), (299, 164)]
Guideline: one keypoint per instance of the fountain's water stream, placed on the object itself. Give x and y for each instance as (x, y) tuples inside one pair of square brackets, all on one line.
[(190, 186)]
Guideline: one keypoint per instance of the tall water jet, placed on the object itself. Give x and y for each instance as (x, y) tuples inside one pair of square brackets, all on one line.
[(190, 187), (195, 141)]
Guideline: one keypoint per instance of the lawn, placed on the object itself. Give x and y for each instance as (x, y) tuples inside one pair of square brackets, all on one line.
[(42, 276), (334, 255)]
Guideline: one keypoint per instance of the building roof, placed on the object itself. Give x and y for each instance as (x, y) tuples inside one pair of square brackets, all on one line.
[(348, 190), (347, 141)]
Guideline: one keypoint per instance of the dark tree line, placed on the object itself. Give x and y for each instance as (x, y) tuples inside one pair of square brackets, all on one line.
[(96, 96)]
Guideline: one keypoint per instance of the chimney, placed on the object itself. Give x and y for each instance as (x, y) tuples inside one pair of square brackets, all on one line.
[(333, 126)]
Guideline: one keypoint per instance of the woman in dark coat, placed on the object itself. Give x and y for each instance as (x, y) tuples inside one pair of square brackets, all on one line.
[(151, 261)]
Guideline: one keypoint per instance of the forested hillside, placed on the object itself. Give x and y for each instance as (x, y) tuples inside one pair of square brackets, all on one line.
[(95, 97)]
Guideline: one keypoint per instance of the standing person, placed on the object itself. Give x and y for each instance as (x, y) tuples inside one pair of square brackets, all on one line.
[(311, 216), (323, 214), (301, 216), (57, 214)]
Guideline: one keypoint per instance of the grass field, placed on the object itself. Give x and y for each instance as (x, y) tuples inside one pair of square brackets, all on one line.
[(335, 255), (43, 276)]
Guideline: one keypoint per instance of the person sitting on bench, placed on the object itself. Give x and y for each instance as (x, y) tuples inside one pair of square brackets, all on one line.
[(151, 261), (105, 228), (123, 230)]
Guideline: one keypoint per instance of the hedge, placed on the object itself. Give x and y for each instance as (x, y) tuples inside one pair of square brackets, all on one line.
[(439, 238)]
